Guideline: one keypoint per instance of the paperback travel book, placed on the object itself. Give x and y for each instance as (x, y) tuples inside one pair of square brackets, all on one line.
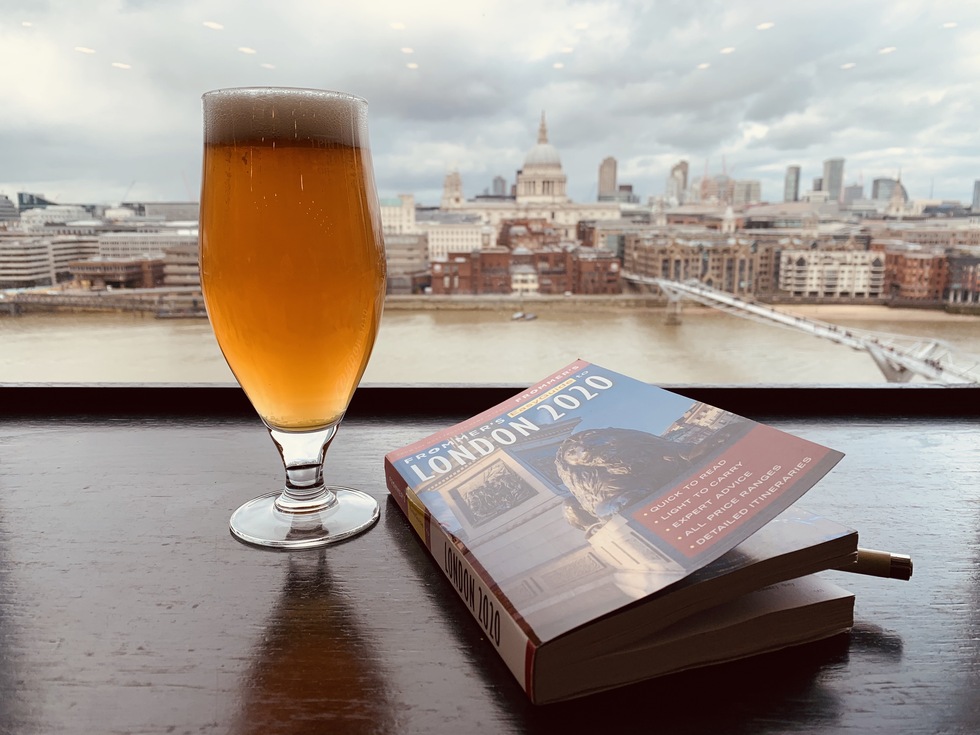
[(590, 518)]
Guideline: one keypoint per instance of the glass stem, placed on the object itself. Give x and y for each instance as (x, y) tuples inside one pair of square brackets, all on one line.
[(302, 455)]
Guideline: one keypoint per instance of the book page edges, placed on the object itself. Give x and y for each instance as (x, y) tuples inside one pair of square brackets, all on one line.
[(771, 559), (787, 614)]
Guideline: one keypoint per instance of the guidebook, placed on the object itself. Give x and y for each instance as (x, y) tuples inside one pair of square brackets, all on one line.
[(586, 518)]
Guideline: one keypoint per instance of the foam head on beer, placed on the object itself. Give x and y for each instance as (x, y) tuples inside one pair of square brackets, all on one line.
[(285, 114)]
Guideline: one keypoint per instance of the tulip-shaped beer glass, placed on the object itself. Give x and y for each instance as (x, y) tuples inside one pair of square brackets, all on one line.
[(293, 274)]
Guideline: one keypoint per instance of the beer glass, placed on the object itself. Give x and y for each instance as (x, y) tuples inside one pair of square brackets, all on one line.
[(293, 275)]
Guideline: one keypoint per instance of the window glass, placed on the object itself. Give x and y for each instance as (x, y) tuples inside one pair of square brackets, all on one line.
[(689, 192)]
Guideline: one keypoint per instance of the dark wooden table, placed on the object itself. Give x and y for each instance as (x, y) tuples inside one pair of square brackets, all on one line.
[(126, 606)]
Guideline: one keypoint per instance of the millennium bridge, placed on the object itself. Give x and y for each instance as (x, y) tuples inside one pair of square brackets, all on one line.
[(899, 357)]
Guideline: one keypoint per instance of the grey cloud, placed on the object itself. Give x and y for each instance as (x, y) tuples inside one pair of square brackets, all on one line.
[(788, 94), (797, 135), (629, 88), (415, 96)]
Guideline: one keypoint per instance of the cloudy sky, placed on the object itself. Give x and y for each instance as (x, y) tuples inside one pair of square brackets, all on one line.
[(100, 99)]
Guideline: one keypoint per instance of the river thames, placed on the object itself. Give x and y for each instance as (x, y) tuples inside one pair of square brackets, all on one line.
[(487, 346)]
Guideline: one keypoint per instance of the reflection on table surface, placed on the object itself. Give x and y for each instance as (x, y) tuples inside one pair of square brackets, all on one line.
[(125, 605)]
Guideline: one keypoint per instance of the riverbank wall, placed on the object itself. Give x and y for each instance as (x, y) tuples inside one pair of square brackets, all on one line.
[(532, 304), (190, 305)]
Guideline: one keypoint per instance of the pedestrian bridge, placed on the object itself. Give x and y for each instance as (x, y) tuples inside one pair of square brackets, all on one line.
[(899, 357)]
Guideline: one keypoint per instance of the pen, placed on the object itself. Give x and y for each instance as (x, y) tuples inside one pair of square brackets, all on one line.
[(880, 564)]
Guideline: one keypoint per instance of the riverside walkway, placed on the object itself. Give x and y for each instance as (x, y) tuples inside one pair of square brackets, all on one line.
[(899, 357), (162, 302)]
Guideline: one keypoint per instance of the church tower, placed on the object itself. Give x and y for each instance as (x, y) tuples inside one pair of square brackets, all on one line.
[(452, 191), (728, 221)]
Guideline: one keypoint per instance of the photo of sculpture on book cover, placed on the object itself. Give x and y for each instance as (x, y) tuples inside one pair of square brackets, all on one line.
[(591, 490)]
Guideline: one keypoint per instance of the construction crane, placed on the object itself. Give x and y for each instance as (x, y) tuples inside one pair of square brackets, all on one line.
[(899, 357)]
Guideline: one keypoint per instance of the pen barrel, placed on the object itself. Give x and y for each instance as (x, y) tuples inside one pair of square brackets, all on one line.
[(881, 564)]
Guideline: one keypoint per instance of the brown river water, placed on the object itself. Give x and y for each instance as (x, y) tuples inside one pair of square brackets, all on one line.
[(486, 346)]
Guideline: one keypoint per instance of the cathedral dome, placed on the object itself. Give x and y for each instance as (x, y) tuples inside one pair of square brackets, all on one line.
[(543, 155)]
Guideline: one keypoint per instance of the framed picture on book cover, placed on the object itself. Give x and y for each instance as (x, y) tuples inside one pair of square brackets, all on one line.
[(492, 494)]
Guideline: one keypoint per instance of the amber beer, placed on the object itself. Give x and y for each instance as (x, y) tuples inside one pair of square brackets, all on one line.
[(292, 261)]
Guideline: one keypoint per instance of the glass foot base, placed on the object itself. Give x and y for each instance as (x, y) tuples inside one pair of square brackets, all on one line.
[(261, 523)]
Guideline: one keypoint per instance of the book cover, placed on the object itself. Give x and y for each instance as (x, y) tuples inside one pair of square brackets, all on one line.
[(586, 493)]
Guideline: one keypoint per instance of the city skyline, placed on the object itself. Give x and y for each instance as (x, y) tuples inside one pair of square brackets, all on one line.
[(102, 107)]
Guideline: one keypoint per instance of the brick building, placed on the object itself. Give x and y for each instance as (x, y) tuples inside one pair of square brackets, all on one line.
[(99, 273), (964, 279), (533, 234), (916, 276), (725, 263), (549, 271)]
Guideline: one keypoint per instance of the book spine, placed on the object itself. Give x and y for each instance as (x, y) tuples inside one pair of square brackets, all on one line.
[(471, 584)]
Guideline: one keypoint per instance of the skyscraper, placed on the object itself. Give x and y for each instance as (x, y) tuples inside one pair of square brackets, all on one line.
[(791, 188), (607, 179), (882, 188), (833, 178), (499, 186), (976, 197), (7, 209), (746, 191), (853, 193), (677, 182)]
